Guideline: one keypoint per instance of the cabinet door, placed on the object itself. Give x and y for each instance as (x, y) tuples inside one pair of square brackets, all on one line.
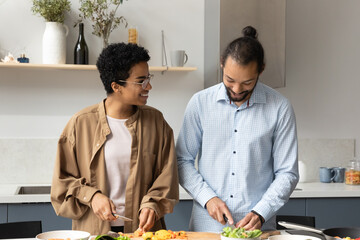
[(295, 206), (180, 218), (334, 212), (38, 211), (3, 213)]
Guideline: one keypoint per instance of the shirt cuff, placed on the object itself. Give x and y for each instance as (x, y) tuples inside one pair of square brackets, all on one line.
[(86, 194), (265, 211), (204, 196)]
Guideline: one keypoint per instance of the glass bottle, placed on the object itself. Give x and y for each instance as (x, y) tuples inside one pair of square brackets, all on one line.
[(23, 59), (352, 173), (81, 52)]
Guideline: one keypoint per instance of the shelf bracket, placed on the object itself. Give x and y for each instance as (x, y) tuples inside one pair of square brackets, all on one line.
[(163, 53), (167, 68)]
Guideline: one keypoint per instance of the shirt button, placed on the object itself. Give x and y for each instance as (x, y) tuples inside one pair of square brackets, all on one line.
[(231, 196), (234, 152), (84, 198), (235, 130), (98, 144), (233, 174)]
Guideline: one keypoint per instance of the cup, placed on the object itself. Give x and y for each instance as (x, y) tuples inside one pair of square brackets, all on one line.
[(339, 174), (178, 58), (326, 174)]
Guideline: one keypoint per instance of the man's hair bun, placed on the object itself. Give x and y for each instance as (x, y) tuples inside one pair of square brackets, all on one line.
[(249, 31)]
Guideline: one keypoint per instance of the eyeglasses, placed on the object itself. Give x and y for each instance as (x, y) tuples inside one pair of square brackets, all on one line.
[(143, 84)]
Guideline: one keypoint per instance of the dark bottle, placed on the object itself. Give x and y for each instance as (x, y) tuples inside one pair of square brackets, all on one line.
[(81, 52)]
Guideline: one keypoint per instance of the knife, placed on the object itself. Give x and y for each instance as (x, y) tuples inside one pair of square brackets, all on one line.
[(227, 221), (122, 217)]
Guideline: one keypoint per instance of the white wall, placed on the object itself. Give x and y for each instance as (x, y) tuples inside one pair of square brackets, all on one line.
[(38, 103), (322, 63)]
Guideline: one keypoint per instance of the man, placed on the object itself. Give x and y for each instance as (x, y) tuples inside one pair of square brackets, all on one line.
[(117, 156), (244, 135)]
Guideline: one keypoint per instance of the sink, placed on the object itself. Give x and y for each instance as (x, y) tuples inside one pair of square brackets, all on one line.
[(23, 190)]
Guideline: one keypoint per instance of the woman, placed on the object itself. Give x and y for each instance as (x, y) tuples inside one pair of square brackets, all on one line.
[(118, 156)]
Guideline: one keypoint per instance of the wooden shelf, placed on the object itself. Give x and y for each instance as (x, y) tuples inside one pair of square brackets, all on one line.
[(85, 67)]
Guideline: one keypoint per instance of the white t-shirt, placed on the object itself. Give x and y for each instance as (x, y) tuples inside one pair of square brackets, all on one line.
[(117, 161)]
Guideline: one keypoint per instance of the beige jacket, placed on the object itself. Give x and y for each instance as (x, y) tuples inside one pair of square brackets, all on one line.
[(80, 168)]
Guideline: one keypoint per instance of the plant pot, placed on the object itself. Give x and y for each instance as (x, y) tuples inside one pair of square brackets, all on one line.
[(54, 43)]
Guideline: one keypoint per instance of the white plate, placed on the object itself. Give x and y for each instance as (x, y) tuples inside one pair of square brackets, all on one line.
[(64, 234), (227, 238), (293, 237)]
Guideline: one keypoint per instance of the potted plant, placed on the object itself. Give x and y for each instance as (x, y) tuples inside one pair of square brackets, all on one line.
[(51, 10), (54, 38), (103, 15)]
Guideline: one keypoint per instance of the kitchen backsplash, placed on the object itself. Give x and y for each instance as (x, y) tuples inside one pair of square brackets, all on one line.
[(316, 153), (32, 160), (27, 160)]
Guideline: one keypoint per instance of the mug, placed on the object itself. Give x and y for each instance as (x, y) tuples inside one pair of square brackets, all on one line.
[(326, 174), (178, 58), (339, 174)]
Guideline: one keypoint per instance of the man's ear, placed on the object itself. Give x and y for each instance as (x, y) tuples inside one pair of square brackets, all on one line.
[(262, 69)]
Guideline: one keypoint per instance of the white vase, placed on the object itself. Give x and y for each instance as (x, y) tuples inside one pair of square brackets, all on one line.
[(303, 172), (54, 43)]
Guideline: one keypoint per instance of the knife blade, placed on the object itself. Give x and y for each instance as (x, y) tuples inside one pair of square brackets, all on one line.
[(122, 217), (227, 221)]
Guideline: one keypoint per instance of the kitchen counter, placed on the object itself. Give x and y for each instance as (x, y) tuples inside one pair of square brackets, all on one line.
[(303, 190), (312, 190)]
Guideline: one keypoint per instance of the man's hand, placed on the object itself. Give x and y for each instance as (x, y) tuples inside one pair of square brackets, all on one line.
[(250, 222), (217, 208), (103, 207), (147, 219)]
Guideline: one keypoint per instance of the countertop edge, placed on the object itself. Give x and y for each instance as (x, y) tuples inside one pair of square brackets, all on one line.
[(306, 190)]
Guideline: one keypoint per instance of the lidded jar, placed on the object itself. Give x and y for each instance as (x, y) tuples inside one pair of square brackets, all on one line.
[(352, 173)]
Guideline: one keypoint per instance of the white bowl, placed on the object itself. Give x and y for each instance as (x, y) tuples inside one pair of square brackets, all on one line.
[(64, 234), (227, 238), (292, 237)]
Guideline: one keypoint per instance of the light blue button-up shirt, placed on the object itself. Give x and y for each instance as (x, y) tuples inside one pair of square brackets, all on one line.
[(247, 155)]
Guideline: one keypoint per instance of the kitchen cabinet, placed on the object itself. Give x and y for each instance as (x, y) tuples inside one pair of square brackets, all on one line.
[(38, 211), (295, 206), (334, 212), (328, 212), (3, 213), (180, 218)]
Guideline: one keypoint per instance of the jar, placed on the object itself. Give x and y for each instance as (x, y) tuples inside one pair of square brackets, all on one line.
[(133, 35), (352, 173)]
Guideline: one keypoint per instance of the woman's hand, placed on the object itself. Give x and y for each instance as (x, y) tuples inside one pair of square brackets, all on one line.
[(147, 219), (103, 207)]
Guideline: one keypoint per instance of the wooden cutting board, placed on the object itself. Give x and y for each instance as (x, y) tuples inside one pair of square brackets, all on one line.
[(215, 236), (196, 236)]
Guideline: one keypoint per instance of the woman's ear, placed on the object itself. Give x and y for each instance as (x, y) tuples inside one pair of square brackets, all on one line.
[(116, 87)]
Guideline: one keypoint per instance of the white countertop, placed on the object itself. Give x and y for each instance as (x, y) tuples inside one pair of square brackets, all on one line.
[(306, 190)]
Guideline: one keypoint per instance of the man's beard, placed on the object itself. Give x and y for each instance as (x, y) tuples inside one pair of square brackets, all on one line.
[(240, 98)]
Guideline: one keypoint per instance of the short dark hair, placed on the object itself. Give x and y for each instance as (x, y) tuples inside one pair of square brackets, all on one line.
[(245, 49), (116, 60)]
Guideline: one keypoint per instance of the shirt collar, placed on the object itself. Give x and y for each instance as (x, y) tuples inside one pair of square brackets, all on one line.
[(258, 96)]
